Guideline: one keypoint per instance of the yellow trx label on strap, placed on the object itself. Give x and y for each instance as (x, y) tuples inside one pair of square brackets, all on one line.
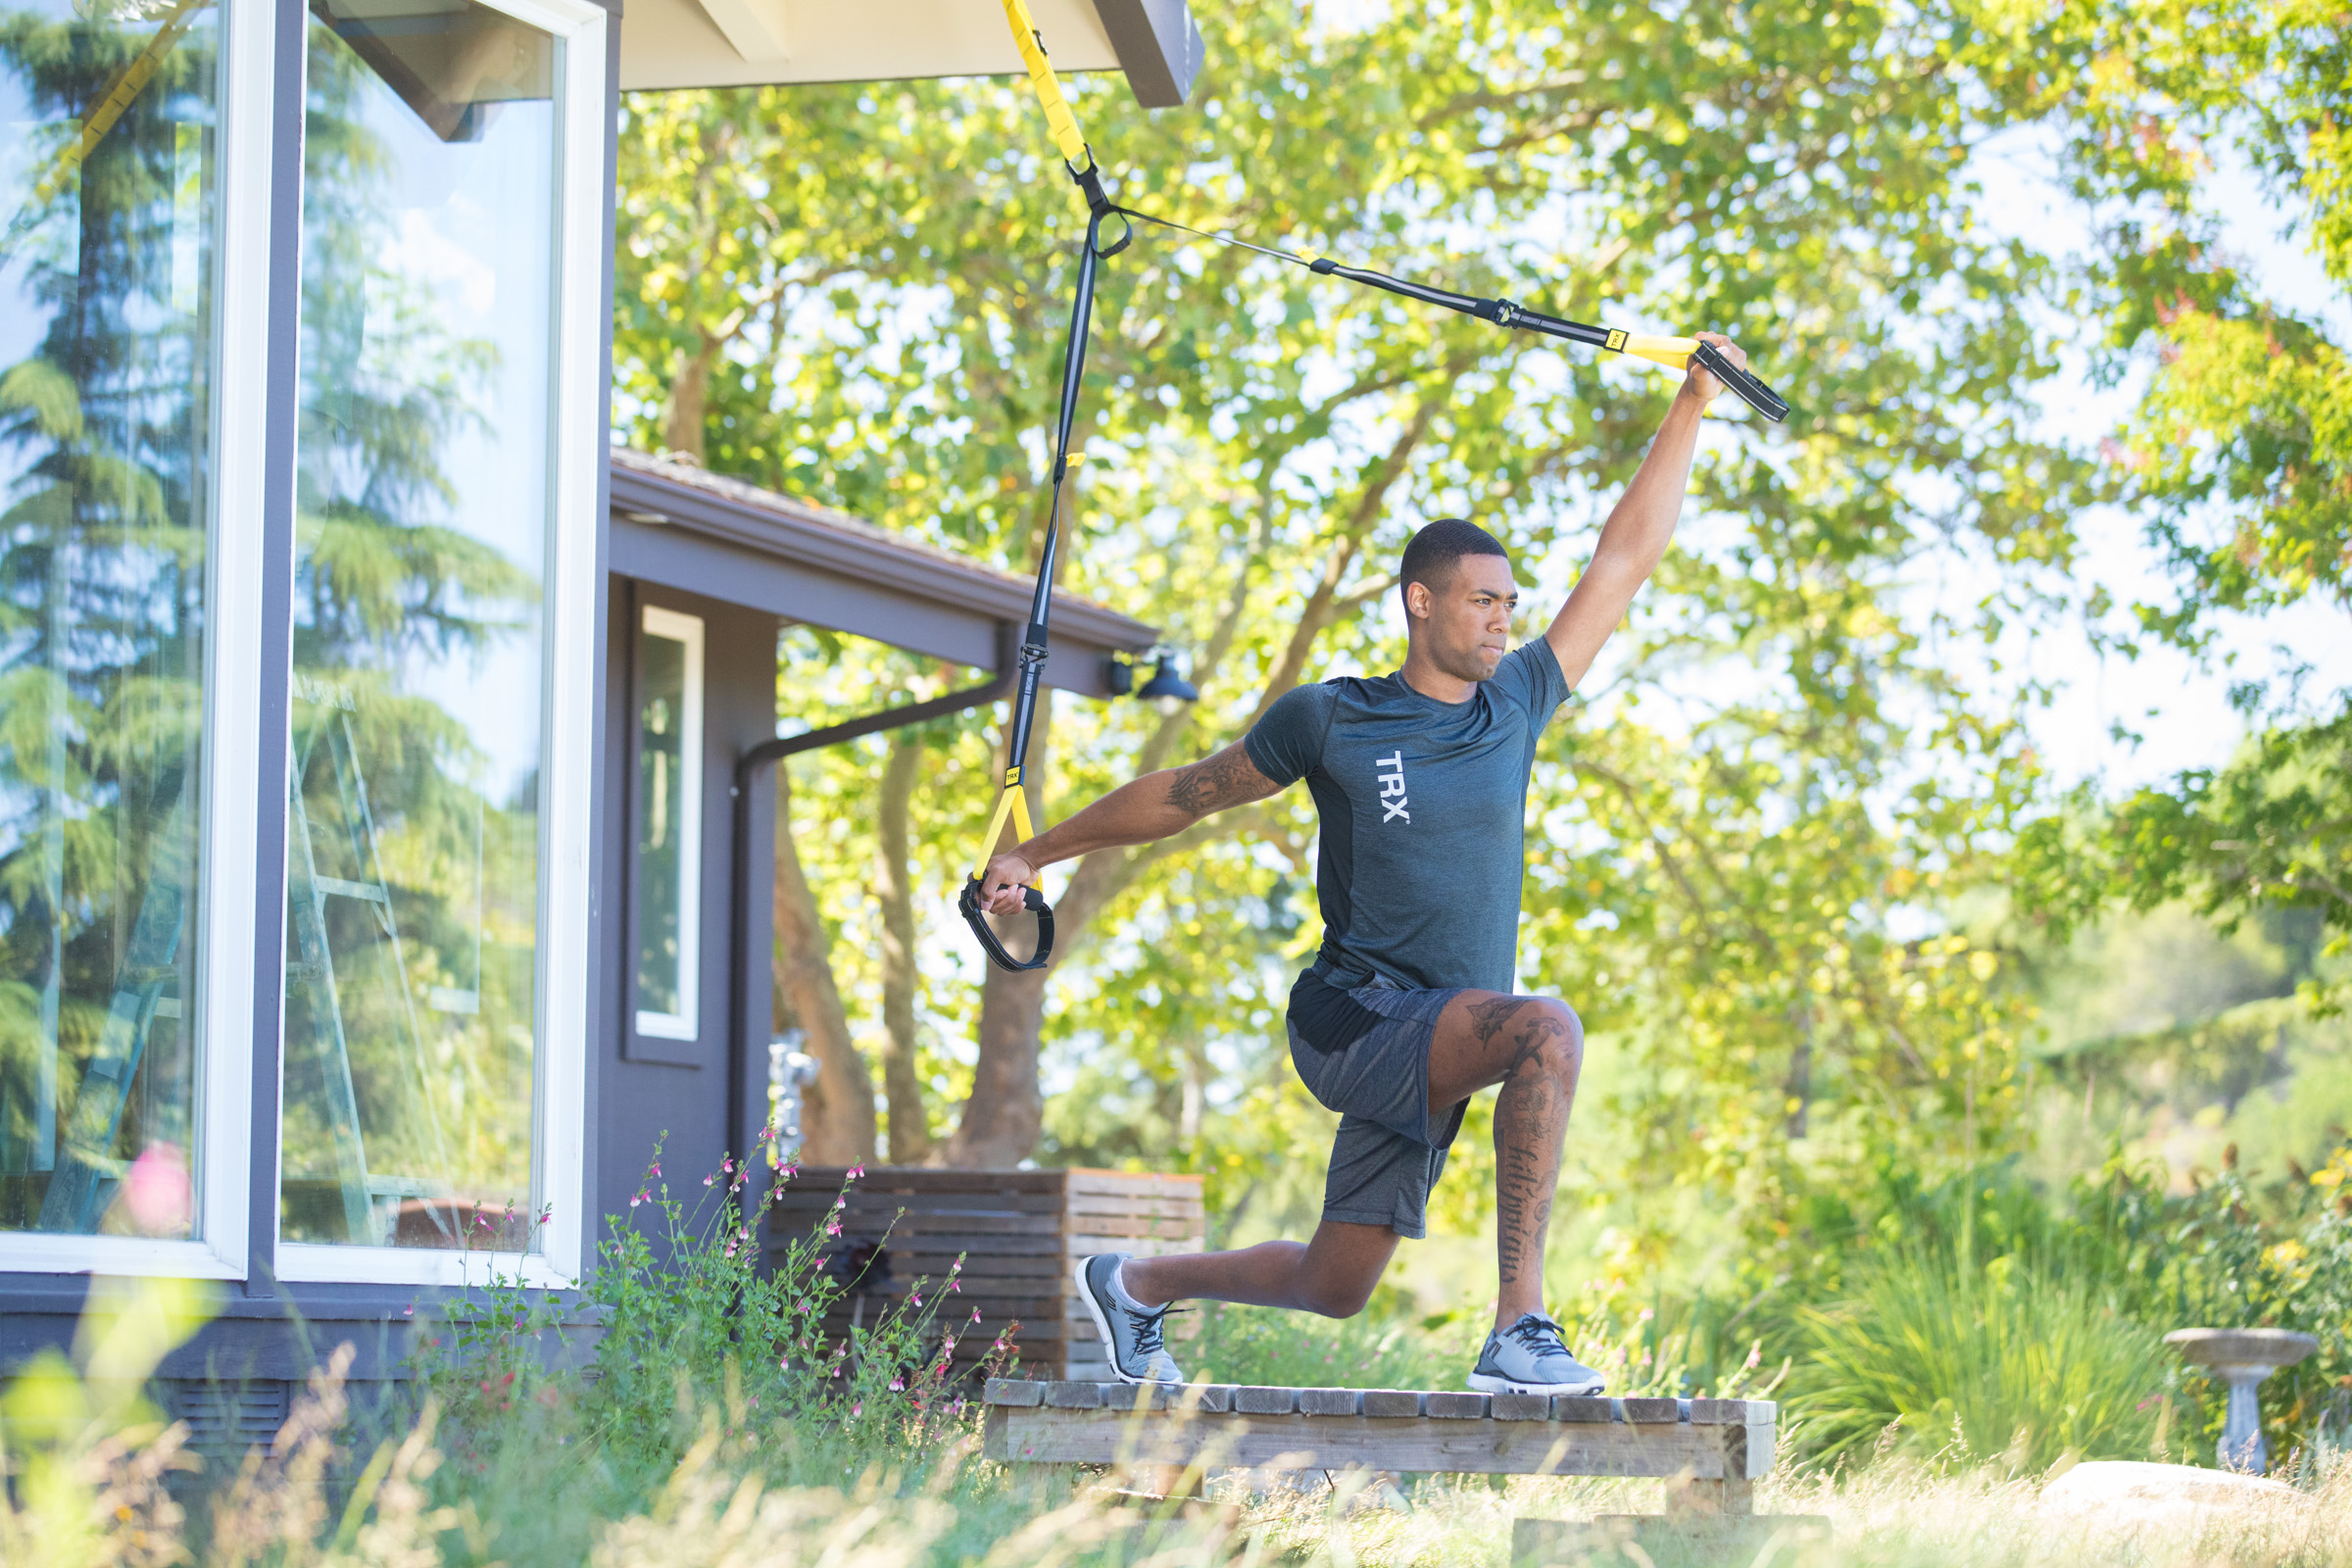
[(1616, 342), (1059, 122)]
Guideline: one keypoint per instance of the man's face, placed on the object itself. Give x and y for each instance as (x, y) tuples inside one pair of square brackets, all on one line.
[(1464, 623)]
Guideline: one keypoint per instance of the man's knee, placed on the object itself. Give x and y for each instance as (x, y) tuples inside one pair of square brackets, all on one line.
[(1551, 1046), (1336, 1297)]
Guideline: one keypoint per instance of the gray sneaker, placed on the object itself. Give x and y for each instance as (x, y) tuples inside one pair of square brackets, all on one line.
[(1531, 1357), (1132, 1334)]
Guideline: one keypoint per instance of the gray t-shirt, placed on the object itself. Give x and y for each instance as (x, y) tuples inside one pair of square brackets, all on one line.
[(1424, 808)]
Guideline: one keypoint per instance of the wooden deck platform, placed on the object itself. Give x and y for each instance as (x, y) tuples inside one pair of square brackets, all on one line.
[(1712, 1449)]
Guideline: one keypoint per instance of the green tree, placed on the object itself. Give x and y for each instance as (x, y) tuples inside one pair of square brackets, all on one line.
[(1259, 443), (2238, 456)]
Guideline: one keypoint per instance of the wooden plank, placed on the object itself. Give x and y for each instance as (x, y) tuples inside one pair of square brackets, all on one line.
[(1582, 1409), (1303, 1441), (1108, 1233), (928, 1255), (1652, 1413), (1331, 1401), (1088, 1179), (1521, 1407), (929, 1179), (1392, 1404), (1758, 1450), (1452, 1405), (1160, 1206), (1017, 1391), (1253, 1400)]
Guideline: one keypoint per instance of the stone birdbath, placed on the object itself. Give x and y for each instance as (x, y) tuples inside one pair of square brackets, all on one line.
[(2242, 1358)]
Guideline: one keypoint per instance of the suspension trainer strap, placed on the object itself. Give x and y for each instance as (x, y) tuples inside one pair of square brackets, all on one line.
[(1012, 802), (1675, 353)]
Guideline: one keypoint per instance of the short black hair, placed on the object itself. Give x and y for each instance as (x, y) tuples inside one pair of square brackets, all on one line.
[(1430, 554)]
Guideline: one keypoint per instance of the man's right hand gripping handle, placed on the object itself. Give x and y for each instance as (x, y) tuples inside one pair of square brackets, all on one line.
[(1001, 890)]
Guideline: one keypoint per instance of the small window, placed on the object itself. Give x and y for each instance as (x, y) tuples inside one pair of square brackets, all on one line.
[(670, 823)]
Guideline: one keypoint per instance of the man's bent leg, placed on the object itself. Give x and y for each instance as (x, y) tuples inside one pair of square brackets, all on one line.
[(1533, 1046), (1333, 1274)]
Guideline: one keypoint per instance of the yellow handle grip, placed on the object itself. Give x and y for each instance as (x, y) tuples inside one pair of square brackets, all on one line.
[(1059, 122)]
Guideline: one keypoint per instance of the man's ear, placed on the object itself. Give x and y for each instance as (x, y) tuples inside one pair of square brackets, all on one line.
[(1418, 601)]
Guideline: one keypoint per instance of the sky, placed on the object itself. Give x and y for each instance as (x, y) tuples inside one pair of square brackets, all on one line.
[(2178, 706)]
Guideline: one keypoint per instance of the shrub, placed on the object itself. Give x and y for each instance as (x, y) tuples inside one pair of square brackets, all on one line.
[(2003, 1361)]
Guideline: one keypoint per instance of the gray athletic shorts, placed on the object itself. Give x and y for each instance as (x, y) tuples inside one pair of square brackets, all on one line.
[(1363, 1051)]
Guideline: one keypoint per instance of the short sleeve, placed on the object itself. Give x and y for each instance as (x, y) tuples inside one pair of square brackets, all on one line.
[(1288, 742), (1530, 675)]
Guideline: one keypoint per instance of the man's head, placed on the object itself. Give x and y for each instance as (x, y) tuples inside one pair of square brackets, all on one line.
[(1458, 597)]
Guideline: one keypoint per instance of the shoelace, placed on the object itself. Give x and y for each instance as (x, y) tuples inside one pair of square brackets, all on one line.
[(1151, 1328), (1539, 1335)]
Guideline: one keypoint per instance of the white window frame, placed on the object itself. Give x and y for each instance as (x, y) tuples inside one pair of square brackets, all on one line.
[(571, 604), (684, 1024), (228, 767)]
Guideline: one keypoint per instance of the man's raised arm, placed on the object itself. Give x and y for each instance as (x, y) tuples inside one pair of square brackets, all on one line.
[(1136, 812), (1635, 538)]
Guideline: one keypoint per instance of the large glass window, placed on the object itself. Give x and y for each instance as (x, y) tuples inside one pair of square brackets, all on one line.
[(667, 876), (423, 502), (108, 133)]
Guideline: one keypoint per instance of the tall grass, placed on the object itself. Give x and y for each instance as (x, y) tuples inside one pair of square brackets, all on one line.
[(2004, 1361)]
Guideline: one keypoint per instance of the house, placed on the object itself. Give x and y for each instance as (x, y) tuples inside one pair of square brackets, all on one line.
[(382, 856)]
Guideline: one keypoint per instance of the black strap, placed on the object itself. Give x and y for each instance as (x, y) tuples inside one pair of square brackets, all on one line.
[(968, 902), (1033, 643), (1748, 387)]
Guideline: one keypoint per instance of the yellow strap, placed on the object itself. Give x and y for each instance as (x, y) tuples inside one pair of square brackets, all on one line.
[(1014, 803), (1672, 351), (1059, 122), (117, 98)]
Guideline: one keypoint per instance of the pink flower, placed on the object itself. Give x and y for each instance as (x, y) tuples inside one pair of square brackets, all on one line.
[(856, 1170), (656, 1167), (157, 1192), (707, 1180), (408, 1311), (833, 1228), (898, 1385), (858, 1408), (918, 1297)]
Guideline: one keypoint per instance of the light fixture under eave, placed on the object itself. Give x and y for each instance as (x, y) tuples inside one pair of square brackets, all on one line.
[(1167, 690)]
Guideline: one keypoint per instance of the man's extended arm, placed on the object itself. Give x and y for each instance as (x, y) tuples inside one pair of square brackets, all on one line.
[(1635, 538), (1136, 812)]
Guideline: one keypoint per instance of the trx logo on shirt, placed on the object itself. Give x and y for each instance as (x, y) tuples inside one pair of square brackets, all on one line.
[(1392, 786)]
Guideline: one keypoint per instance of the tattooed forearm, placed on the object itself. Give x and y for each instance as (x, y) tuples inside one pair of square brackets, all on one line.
[(1228, 778)]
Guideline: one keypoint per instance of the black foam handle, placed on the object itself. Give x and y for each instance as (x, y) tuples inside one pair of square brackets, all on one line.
[(977, 919), (1749, 389)]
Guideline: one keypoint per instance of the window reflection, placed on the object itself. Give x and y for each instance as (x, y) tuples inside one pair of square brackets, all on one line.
[(108, 118), (670, 782), (423, 511)]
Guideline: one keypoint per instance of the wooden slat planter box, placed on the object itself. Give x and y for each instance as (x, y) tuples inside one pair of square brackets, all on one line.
[(1020, 1232)]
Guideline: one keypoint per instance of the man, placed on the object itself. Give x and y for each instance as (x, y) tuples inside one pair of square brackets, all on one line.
[(1420, 780)]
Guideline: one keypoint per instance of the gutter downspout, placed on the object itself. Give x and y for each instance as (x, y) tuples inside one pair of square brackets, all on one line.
[(752, 770)]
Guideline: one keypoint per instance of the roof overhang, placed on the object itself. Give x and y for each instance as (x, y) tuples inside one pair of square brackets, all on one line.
[(708, 534), (731, 43)]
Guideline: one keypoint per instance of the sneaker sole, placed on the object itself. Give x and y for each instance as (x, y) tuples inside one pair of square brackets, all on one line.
[(1093, 1310), (1490, 1383)]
